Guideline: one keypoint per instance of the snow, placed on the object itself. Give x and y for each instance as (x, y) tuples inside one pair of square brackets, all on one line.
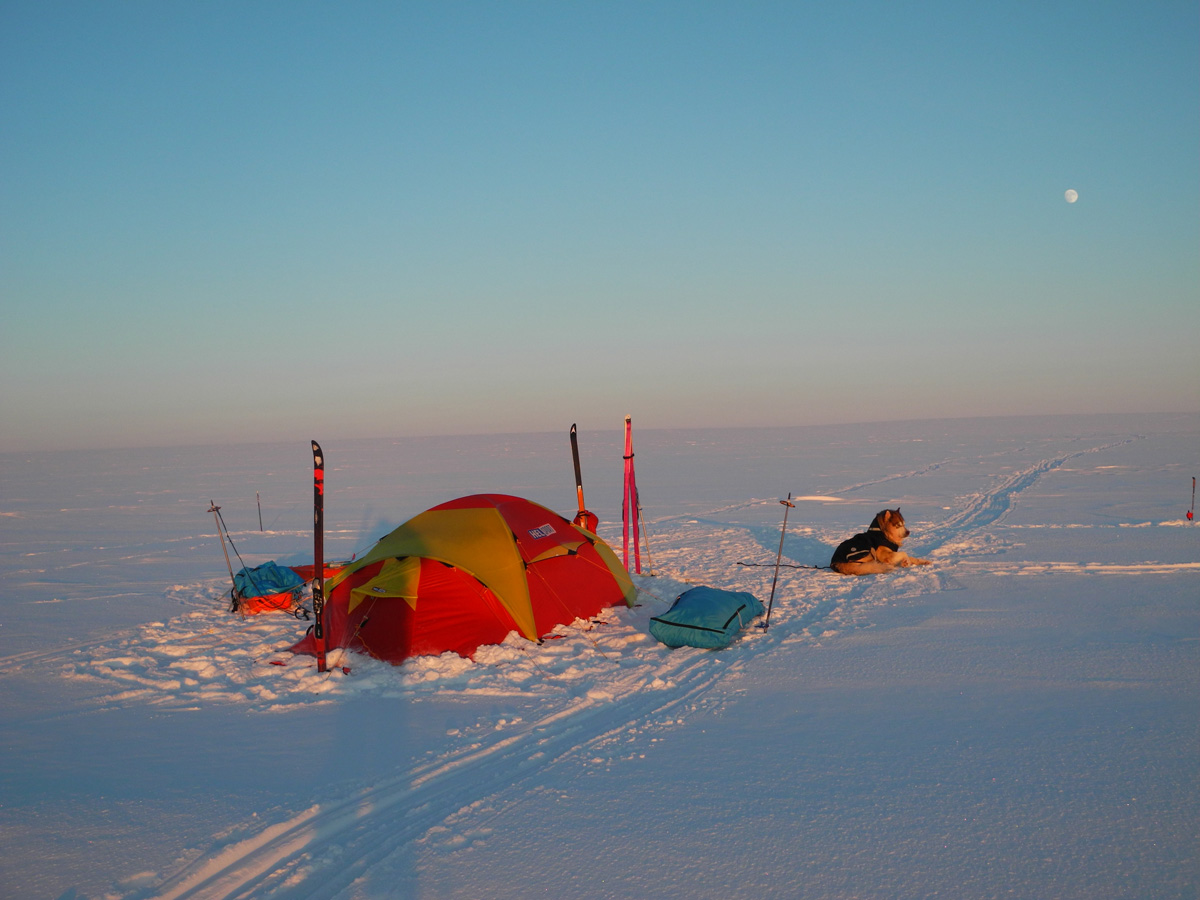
[(1019, 719)]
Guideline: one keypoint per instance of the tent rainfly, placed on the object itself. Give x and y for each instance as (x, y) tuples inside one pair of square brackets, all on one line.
[(465, 573)]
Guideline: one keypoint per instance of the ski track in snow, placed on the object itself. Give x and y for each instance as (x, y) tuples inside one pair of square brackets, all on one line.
[(988, 507), (592, 684), (916, 473), (1076, 568), (323, 850)]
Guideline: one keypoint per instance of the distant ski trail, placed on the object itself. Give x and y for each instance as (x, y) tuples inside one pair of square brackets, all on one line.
[(997, 499), (708, 513), (1077, 568), (990, 506), (322, 851), (916, 473)]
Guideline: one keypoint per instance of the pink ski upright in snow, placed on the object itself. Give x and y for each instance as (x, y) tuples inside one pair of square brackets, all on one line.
[(629, 505)]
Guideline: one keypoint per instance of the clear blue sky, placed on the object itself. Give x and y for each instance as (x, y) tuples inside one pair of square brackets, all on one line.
[(257, 221)]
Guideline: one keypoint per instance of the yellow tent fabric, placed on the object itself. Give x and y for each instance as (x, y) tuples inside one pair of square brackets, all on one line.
[(398, 578), (476, 540)]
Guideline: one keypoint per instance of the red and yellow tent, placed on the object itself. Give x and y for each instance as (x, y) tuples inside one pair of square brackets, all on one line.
[(466, 573)]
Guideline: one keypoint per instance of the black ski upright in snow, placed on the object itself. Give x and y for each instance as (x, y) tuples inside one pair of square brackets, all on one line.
[(318, 589)]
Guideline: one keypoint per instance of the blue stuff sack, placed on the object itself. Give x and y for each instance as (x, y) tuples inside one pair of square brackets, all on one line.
[(705, 617)]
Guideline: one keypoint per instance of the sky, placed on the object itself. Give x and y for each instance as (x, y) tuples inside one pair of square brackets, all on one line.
[(274, 221)]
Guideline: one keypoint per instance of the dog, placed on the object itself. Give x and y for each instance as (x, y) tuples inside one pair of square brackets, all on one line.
[(877, 549)]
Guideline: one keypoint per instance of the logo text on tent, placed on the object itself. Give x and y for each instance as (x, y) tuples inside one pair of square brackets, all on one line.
[(544, 531)]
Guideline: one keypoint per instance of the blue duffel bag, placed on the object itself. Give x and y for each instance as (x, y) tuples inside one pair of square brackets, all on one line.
[(705, 617)]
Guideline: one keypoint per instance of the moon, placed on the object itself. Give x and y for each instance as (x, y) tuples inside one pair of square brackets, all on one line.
[(1072, 195)]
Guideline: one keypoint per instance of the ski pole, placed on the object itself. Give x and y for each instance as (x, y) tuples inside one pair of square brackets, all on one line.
[(1192, 508), (646, 535), (787, 506), (235, 594), (216, 510), (258, 500)]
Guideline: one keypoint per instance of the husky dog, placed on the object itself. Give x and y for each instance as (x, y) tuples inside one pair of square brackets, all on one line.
[(877, 549)]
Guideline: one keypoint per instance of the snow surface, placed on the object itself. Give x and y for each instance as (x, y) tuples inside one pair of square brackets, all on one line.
[(1021, 719)]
